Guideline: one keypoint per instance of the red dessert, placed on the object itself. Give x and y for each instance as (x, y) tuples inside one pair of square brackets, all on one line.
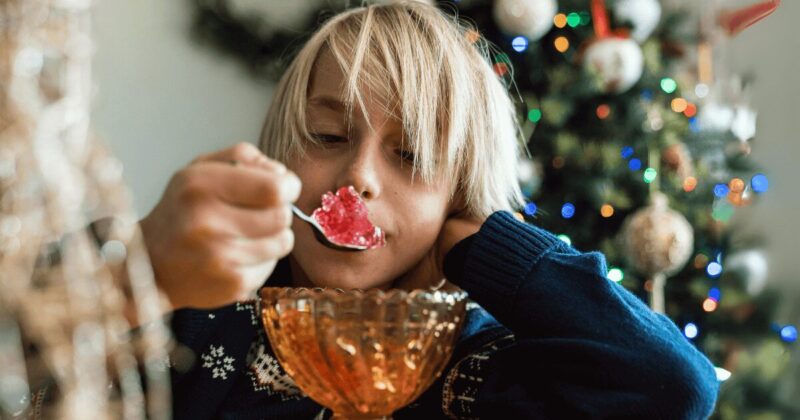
[(344, 219)]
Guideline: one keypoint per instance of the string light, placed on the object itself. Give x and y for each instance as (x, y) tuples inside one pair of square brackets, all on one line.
[(789, 333), (615, 274), (519, 216), (635, 164), (585, 18), (558, 162), (573, 19), (607, 210), (690, 330), (689, 184), (560, 20), (701, 90), (736, 185), (714, 269), (565, 239), (603, 111), (760, 183), (700, 261), (710, 305), (691, 110), (562, 44), (519, 44), (722, 212), (627, 152), (669, 85), (530, 209), (568, 210), (714, 293), (535, 115), (679, 105), (694, 125), (721, 190), (650, 175)]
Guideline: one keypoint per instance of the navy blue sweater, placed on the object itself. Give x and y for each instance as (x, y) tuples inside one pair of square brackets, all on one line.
[(548, 336)]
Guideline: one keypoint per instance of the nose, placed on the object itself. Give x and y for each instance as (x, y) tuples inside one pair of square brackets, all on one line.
[(363, 170)]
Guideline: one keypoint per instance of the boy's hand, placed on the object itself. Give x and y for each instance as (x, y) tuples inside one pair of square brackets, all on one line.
[(221, 226), (429, 272)]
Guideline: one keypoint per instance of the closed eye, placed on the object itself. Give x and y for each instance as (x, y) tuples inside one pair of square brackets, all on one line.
[(328, 138), (406, 156)]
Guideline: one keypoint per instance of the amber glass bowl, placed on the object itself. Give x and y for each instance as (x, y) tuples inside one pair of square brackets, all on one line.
[(363, 354)]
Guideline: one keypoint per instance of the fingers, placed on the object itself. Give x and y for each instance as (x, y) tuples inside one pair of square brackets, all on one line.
[(244, 153), (244, 186), (255, 251), (253, 223)]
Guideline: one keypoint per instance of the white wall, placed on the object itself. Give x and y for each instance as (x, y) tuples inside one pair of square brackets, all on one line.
[(770, 50), (162, 100)]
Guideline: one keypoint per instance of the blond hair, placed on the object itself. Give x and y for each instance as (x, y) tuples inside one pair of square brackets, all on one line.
[(456, 114)]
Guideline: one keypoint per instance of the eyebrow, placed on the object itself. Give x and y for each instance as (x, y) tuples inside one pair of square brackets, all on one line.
[(327, 102)]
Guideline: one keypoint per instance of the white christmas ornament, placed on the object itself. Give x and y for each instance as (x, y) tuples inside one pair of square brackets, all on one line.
[(532, 18), (643, 15), (618, 62), (753, 266), (744, 123), (715, 117)]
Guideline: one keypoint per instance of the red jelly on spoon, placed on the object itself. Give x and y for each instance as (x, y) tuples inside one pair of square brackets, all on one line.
[(343, 218)]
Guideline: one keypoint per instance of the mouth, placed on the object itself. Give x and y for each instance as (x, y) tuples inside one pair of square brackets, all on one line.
[(344, 220)]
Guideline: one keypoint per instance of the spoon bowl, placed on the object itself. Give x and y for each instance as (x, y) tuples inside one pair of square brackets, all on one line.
[(319, 233)]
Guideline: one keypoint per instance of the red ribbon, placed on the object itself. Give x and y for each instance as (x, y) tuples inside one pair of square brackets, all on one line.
[(735, 21), (602, 27)]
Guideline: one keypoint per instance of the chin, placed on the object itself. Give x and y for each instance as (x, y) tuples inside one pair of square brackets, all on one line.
[(347, 278)]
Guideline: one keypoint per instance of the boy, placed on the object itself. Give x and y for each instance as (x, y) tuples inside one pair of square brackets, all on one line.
[(394, 100)]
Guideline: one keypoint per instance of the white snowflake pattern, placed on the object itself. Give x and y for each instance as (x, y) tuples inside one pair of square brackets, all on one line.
[(216, 360), (267, 374), (252, 307)]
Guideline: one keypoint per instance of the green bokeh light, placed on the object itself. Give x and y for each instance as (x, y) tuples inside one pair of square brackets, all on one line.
[(669, 85), (650, 175), (616, 275), (535, 115), (573, 19)]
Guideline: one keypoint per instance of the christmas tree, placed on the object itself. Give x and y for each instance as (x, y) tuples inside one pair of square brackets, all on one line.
[(636, 150)]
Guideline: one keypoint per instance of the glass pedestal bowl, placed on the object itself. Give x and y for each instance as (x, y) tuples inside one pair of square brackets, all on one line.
[(362, 354)]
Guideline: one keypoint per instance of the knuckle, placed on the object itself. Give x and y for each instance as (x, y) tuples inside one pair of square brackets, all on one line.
[(286, 241), (244, 151)]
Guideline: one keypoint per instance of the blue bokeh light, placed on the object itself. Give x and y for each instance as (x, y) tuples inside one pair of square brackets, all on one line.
[(789, 333), (715, 293), (635, 164), (627, 152), (568, 210), (721, 190), (760, 183), (519, 44), (530, 209)]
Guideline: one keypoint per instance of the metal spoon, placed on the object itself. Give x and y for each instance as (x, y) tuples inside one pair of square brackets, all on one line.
[(320, 234)]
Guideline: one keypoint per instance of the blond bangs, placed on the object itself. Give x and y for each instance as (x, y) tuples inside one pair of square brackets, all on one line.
[(456, 115)]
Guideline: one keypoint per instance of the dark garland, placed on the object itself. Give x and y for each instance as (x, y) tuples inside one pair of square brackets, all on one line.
[(266, 52)]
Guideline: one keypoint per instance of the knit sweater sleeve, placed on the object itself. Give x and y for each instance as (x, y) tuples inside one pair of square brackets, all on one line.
[(583, 346)]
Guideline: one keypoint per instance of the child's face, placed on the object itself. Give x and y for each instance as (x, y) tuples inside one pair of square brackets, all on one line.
[(411, 214)]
